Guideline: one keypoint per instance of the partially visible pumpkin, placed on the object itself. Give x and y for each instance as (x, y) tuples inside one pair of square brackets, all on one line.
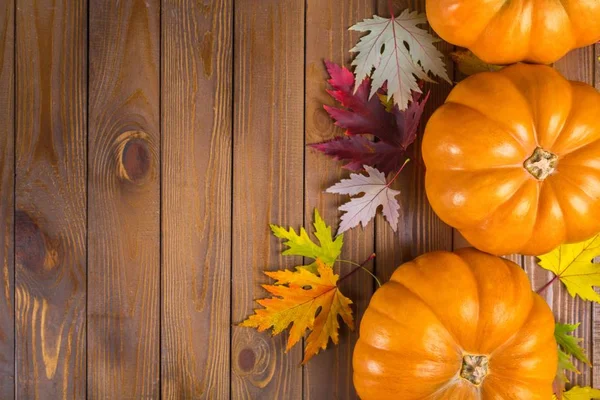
[(505, 32), (513, 160), (462, 325)]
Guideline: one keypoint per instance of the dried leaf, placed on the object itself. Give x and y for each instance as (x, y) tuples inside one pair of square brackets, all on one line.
[(304, 301), (360, 210), (400, 52), (395, 130), (572, 264)]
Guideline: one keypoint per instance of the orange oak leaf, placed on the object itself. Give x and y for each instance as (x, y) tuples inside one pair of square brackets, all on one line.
[(304, 300)]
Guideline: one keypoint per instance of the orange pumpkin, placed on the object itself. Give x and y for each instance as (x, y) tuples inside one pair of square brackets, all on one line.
[(502, 32), (461, 325), (513, 160)]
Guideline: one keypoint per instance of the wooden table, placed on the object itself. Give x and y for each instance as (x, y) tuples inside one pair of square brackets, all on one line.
[(145, 146)]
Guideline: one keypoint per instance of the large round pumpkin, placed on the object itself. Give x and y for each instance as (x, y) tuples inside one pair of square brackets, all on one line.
[(513, 160), (505, 32), (462, 325)]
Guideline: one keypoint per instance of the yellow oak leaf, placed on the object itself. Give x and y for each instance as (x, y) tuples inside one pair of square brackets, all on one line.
[(572, 264), (305, 301), (580, 393)]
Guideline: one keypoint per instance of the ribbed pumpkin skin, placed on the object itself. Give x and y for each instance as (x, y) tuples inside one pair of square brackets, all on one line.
[(505, 32), (442, 305), (475, 146)]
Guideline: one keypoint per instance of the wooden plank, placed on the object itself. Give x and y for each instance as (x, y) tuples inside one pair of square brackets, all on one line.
[(595, 306), (196, 193), (419, 230), (124, 196), (268, 183), (329, 375), (50, 219), (579, 66), (7, 151)]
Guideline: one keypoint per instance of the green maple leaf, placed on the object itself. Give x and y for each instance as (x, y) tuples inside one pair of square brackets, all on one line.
[(328, 249), (572, 264), (565, 363), (568, 343), (580, 393), (568, 347)]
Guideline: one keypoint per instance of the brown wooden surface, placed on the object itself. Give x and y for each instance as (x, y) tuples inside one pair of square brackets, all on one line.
[(7, 152), (124, 200), (329, 376), (196, 198), (141, 233), (419, 230), (268, 151), (596, 307), (50, 208)]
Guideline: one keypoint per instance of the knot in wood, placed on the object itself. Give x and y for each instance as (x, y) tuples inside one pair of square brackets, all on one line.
[(135, 160), (246, 359), (31, 250)]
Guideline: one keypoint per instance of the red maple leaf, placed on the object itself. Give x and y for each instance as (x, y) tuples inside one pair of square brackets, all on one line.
[(394, 130)]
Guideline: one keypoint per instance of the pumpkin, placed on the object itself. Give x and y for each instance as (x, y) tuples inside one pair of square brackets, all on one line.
[(463, 325), (502, 32), (513, 160)]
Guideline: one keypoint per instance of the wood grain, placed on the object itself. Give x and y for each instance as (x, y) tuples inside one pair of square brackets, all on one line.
[(124, 196), (329, 375), (595, 344), (578, 65), (268, 183), (419, 230), (196, 193), (50, 218), (7, 152)]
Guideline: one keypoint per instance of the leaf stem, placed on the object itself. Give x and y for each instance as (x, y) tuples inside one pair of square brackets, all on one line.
[(391, 8), (550, 282), (359, 266), (398, 173)]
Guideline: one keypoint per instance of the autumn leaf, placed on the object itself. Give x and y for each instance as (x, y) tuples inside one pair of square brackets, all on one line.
[(305, 301), (580, 393), (400, 52), (572, 264), (359, 115), (568, 343), (327, 251), (568, 348), (469, 64), (376, 192)]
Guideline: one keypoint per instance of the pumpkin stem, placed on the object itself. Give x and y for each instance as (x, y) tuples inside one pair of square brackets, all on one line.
[(474, 368), (541, 163)]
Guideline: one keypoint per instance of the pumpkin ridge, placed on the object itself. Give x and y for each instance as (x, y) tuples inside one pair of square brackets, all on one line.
[(547, 186), (513, 272), (508, 341), (576, 149), (435, 314), (532, 110), (563, 207), (498, 123), (568, 180), (483, 222), (566, 123)]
